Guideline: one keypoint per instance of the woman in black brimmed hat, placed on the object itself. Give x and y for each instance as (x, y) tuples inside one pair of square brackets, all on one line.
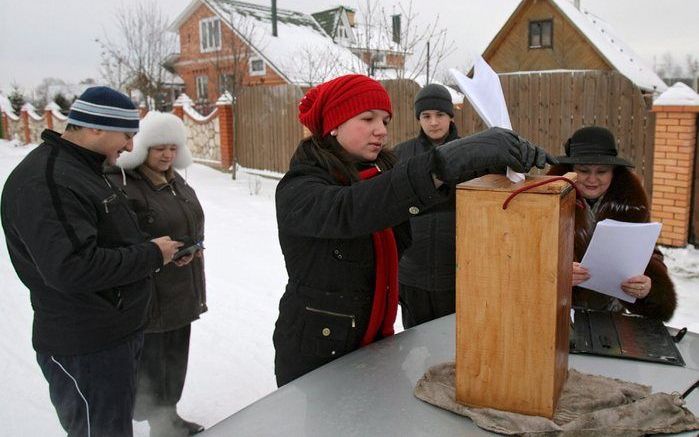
[(612, 191)]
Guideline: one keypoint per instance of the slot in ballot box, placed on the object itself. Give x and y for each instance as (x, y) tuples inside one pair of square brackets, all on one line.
[(513, 293)]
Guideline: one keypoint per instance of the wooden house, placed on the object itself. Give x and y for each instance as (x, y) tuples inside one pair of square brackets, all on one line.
[(559, 35)]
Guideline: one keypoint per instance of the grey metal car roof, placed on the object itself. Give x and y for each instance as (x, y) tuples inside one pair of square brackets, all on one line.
[(370, 391)]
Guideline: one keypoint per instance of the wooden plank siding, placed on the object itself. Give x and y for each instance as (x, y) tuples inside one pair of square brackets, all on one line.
[(548, 107), (404, 125), (544, 107), (509, 51), (694, 205), (267, 129)]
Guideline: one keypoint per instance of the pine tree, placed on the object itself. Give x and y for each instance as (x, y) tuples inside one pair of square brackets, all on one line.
[(16, 98), (62, 101)]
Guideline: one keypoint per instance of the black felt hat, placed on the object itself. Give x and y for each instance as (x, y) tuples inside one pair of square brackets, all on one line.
[(592, 145)]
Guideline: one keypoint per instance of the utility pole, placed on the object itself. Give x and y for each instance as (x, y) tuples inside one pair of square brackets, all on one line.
[(428, 63), (274, 17)]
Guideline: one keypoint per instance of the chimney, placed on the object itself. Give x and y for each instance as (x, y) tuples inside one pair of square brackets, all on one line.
[(395, 20), (350, 17), (577, 4), (274, 17)]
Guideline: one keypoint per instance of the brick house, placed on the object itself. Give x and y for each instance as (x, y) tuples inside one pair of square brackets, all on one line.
[(558, 35), (225, 45)]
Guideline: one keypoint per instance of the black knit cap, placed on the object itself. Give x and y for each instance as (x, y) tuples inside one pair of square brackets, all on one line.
[(103, 108), (433, 97), (592, 145)]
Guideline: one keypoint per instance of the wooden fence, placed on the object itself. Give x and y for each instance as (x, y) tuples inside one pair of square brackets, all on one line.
[(547, 108), (266, 127), (544, 107)]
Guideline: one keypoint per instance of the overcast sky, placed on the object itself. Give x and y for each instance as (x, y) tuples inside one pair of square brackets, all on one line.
[(51, 38)]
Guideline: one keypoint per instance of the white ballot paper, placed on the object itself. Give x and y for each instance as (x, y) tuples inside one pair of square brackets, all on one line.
[(618, 251), (485, 94)]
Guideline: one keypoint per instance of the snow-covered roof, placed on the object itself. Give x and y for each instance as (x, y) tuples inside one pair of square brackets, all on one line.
[(302, 53), (330, 18), (374, 37), (619, 55), (678, 95)]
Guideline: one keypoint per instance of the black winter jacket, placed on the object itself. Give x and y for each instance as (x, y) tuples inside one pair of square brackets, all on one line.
[(430, 262), (169, 209), (325, 232), (77, 246)]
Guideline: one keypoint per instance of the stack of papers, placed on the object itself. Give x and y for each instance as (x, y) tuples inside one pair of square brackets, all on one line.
[(484, 92), (617, 252)]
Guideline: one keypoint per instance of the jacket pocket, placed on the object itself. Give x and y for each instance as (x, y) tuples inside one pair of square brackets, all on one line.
[(355, 252), (113, 298), (326, 333)]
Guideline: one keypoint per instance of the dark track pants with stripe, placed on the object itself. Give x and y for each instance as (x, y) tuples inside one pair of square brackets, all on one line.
[(94, 393)]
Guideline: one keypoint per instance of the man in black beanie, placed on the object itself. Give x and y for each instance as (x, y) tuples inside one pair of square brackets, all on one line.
[(75, 244), (427, 269)]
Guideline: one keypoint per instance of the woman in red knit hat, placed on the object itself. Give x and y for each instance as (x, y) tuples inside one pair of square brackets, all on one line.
[(343, 212)]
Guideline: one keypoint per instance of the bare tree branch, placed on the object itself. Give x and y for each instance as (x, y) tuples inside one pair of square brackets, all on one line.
[(376, 28), (133, 58)]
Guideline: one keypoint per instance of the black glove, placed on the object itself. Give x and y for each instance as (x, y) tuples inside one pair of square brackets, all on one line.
[(490, 151)]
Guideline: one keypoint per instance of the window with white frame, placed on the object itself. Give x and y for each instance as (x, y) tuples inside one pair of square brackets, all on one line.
[(202, 88), (210, 34), (342, 33), (256, 66)]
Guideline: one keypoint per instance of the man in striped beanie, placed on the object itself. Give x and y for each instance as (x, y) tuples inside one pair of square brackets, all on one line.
[(87, 265)]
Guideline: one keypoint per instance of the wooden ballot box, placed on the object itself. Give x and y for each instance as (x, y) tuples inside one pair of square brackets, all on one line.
[(513, 293)]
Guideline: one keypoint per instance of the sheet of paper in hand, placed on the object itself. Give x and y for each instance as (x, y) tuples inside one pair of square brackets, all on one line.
[(484, 92), (618, 251)]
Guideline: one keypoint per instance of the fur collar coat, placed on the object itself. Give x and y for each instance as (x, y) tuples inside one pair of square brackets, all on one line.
[(625, 200)]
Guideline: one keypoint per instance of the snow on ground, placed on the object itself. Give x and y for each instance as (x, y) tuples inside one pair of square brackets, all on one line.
[(232, 358), (684, 269)]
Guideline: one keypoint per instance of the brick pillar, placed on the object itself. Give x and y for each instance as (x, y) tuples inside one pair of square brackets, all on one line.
[(4, 129), (225, 119), (673, 168), (24, 116), (48, 117), (178, 110)]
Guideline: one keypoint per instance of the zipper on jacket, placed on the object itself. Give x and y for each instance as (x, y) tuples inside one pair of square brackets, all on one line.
[(107, 201), (331, 313)]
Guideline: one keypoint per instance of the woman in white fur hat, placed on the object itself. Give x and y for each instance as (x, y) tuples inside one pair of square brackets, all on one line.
[(165, 205)]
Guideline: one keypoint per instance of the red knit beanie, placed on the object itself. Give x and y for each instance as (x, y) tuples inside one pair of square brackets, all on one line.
[(328, 105)]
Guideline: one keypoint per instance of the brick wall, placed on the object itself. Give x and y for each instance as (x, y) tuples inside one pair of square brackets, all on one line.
[(673, 162), (210, 138)]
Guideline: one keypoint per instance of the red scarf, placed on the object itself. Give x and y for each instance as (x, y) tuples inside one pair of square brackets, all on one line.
[(385, 304)]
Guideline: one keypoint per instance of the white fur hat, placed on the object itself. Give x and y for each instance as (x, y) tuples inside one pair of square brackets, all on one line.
[(157, 129)]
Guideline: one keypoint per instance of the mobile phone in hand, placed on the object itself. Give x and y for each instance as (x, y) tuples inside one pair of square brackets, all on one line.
[(188, 250)]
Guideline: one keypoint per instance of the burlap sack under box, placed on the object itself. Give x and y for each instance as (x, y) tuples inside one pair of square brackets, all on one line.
[(589, 405)]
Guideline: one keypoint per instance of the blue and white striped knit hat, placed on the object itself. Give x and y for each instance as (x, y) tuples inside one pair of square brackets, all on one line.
[(103, 108)]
